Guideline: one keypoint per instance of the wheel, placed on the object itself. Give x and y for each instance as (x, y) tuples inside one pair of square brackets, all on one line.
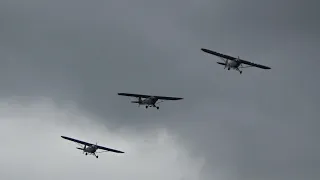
[(97, 156), (86, 153), (228, 68), (240, 72), (157, 107), (146, 107)]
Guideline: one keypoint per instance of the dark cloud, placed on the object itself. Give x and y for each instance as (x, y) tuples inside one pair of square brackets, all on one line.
[(261, 124)]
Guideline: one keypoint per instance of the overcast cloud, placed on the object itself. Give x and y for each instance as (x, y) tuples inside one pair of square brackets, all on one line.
[(257, 125), (34, 149)]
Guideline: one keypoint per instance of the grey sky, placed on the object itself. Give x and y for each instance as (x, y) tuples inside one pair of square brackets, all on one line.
[(258, 125)]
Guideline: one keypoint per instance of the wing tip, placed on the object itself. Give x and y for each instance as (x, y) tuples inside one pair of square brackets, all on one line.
[(65, 137), (177, 98), (204, 50), (266, 67), (124, 94)]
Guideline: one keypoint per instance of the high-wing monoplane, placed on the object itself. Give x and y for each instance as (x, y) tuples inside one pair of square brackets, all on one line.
[(234, 63), (148, 100), (89, 148)]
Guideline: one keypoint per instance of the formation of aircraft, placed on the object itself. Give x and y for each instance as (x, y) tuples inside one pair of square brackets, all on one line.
[(234, 63), (149, 100), (89, 148)]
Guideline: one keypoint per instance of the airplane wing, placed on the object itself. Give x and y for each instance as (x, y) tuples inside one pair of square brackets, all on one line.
[(254, 64), (147, 96), (168, 98), (109, 149), (134, 95), (77, 141), (218, 54)]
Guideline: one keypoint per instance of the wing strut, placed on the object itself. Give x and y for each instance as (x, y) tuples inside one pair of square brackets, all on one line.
[(242, 66)]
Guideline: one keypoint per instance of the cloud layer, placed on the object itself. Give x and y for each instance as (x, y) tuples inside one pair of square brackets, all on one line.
[(35, 150), (258, 125)]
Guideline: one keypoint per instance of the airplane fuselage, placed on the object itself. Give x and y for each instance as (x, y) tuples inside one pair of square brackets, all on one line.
[(89, 149), (232, 64), (149, 102), (146, 101)]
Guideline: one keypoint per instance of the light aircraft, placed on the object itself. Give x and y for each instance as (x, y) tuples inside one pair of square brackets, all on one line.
[(149, 100), (90, 148), (234, 63)]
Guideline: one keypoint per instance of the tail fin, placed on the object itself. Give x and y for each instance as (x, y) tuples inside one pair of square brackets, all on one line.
[(80, 148), (137, 102)]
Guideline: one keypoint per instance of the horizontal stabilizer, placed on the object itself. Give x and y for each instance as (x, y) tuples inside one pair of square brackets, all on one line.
[(221, 63), (80, 148)]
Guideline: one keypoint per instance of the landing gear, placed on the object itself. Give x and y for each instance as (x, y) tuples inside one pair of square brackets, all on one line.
[(97, 156), (152, 106), (228, 68), (156, 106), (86, 154), (239, 70)]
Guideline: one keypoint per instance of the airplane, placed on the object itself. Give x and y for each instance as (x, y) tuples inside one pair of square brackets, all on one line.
[(149, 100), (90, 148), (234, 63)]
